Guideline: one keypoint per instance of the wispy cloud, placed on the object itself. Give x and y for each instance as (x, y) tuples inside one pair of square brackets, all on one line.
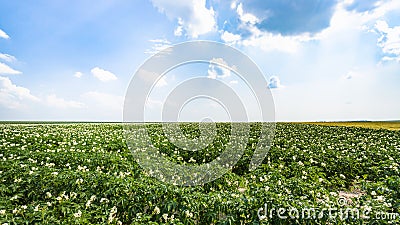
[(7, 57), (4, 34), (158, 46), (103, 75), (5, 69)]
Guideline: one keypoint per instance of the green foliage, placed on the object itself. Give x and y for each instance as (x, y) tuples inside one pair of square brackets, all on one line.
[(84, 174)]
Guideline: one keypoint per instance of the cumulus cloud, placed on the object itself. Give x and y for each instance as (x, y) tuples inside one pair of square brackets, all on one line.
[(216, 69), (192, 15), (103, 75), (245, 16), (3, 34), (7, 57), (389, 40), (274, 82), (12, 96), (230, 38), (5, 69), (267, 40), (54, 101), (288, 17), (78, 74), (342, 21)]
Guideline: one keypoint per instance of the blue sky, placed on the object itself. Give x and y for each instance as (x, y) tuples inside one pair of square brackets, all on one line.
[(324, 60)]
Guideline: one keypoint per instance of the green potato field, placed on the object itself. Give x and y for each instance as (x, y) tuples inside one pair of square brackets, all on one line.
[(83, 173)]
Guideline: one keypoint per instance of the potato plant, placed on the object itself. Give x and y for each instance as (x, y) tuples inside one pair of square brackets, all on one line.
[(83, 173)]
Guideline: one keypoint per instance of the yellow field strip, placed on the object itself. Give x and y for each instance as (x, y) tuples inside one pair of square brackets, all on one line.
[(389, 125)]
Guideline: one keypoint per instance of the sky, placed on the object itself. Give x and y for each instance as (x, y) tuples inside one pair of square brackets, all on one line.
[(322, 60)]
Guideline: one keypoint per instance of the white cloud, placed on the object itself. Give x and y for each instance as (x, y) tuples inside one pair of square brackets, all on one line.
[(275, 42), (11, 96), (78, 74), (246, 17), (5, 69), (217, 69), (3, 34), (274, 82), (7, 57), (230, 38), (382, 9), (179, 29), (265, 40), (54, 101), (103, 75), (158, 46), (164, 41), (192, 16), (389, 41), (342, 22)]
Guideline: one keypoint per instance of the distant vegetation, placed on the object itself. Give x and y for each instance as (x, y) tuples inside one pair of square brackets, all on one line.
[(389, 125)]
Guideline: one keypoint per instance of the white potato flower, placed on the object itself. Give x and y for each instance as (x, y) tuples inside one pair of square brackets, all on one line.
[(78, 214), (188, 214), (156, 210)]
